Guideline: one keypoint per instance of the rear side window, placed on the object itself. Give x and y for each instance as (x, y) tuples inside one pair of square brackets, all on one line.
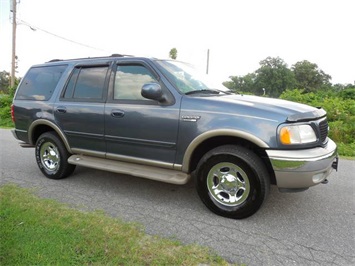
[(40, 82), (86, 83)]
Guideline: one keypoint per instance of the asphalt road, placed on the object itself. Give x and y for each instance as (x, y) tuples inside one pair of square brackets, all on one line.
[(315, 227)]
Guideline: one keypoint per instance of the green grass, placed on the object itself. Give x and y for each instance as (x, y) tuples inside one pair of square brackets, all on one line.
[(38, 231)]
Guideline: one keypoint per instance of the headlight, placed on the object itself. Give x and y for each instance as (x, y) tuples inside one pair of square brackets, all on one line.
[(297, 134)]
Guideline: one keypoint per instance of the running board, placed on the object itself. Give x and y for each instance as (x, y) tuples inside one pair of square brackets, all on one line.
[(149, 172)]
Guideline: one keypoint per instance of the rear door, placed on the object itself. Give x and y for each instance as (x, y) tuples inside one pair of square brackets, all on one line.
[(80, 109), (138, 129)]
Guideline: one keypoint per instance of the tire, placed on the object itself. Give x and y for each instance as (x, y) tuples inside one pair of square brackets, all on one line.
[(232, 181), (52, 156)]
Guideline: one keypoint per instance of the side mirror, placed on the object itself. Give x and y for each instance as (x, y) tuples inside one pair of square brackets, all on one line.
[(153, 91)]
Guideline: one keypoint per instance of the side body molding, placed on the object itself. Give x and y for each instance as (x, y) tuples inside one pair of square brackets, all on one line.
[(218, 133), (45, 122)]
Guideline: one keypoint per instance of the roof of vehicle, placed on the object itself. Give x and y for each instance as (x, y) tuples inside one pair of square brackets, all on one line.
[(93, 60)]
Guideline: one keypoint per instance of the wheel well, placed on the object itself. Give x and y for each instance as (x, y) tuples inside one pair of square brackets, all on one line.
[(38, 131), (214, 142)]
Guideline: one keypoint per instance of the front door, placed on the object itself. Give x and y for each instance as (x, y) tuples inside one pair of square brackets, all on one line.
[(138, 129)]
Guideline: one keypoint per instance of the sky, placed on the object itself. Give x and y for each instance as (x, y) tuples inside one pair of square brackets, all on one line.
[(238, 34)]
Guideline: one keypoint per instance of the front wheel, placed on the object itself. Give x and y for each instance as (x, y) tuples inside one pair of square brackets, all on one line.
[(52, 156), (232, 181)]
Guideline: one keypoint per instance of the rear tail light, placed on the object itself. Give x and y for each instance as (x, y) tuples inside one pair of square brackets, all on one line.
[(12, 113)]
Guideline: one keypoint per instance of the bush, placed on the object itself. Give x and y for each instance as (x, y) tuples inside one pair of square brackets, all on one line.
[(340, 107), (348, 93), (5, 110), (346, 149)]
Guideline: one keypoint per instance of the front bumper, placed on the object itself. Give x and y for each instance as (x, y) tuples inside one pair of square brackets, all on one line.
[(301, 169)]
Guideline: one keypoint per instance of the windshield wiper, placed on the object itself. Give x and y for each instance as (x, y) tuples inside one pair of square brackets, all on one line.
[(207, 91)]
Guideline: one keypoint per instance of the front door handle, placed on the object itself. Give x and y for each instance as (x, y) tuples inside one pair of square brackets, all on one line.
[(117, 113), (61, 109)]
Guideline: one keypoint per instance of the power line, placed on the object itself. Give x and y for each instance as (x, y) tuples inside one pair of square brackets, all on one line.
[(32, 27)]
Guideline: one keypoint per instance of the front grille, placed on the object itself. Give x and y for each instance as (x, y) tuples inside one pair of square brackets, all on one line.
[(323, 130)]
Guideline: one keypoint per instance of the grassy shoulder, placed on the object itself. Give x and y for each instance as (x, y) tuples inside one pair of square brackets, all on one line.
[(38, 231)]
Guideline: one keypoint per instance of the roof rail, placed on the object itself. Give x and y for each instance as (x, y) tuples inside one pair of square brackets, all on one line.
[(117, 55), (55, 60), (121, 55), (88, 58)]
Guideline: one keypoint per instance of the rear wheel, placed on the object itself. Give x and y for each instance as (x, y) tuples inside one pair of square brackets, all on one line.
[(232, 181), (52, 156)]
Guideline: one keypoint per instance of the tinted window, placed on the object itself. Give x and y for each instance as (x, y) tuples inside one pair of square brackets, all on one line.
[(71, 84), (86, 83), (129, 80), (39, 83)]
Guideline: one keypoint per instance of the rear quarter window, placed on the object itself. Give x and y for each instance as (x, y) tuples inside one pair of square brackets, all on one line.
[(40, 82)]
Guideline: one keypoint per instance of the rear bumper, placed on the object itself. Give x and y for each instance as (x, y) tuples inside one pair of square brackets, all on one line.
[(17, 135), (13, 131), (301, 169)]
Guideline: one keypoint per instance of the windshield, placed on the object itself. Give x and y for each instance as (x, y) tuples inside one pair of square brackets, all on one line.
[(188, 80)]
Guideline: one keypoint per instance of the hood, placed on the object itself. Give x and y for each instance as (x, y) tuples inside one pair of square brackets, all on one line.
[(281, 110), (295, 111)]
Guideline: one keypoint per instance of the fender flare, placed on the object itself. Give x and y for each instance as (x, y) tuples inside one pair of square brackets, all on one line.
[(45, 122), (217, 133)]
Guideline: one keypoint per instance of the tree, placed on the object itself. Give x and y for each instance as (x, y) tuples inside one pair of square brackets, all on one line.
[(4, 81), (274, 77), (242, 83), (309, 77), (173, 53)]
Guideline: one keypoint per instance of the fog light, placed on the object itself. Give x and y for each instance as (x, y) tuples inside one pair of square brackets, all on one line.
[(318, 178)]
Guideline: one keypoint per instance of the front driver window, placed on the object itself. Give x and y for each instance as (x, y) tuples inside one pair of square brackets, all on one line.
[(129, 80)]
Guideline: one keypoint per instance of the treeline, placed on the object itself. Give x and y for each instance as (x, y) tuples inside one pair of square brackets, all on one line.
[(273, 77)]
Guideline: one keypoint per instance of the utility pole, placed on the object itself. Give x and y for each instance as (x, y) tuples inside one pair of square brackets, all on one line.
[(13, 62)]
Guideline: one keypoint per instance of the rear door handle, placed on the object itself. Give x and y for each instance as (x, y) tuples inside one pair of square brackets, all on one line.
[(61, 109), (117, 113)]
